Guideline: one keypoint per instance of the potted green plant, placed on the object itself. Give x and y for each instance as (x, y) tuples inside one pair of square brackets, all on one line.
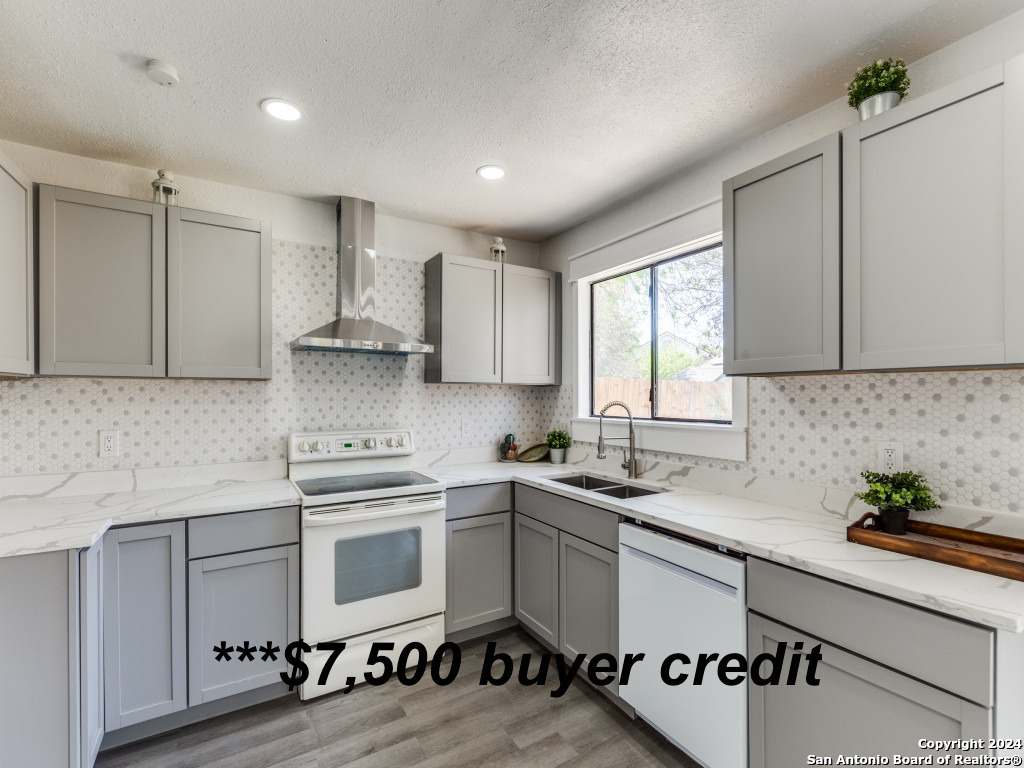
[(878, 86), (895, 495), (558, 441)]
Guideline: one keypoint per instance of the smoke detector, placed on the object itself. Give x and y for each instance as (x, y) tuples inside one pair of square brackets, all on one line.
[(162, 73)]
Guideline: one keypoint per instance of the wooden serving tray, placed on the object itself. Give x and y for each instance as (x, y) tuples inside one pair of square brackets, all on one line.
[(974, 550)]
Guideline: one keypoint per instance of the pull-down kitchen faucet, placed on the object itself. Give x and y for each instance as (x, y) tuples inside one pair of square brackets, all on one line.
[(628, 462)]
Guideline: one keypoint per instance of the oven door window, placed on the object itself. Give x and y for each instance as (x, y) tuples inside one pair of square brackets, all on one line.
[(377, 564)]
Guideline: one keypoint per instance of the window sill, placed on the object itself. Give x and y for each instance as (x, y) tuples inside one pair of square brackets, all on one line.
[(716, 441)]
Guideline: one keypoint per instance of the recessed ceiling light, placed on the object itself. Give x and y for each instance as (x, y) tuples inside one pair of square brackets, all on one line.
[(281, 109), (490, 172)]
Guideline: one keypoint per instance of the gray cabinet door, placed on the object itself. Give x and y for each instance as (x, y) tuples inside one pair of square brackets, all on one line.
[(463, 319), (17, 272), (530, 325), (781, 238), (479, 588), (588, 587), (249, 597), (218, 296), (102, 285), (144, 619), (90, 586), (858, 708), (536, 575), (932, 236)]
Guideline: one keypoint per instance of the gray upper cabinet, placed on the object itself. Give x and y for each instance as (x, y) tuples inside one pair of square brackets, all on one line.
[(463, 319), (218, 296), (17, 272), (932, 236), (536, 569), (530, 338), (102, 293), (491, 322), (144, 623), (781, 238)]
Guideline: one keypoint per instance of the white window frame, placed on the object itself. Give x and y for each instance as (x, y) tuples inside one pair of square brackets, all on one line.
[(718, 441)]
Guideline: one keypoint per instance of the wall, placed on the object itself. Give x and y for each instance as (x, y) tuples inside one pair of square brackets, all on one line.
[(50, 424), (962, 430)]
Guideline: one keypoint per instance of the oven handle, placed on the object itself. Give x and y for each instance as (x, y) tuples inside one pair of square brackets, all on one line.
[(312, 521)]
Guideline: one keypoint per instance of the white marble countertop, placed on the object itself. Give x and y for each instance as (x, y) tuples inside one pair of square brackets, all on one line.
[(808, 539), (45, 523), (811, 541)]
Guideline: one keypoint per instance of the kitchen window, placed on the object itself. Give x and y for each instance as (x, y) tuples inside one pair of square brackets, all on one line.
[(656, 340)]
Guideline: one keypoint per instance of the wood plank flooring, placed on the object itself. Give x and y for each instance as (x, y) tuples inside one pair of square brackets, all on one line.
[(462, 725)]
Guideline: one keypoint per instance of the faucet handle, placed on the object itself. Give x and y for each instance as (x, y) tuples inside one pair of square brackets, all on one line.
[(625, 458)]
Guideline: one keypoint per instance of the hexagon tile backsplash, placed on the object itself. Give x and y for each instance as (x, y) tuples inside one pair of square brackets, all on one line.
[(961, 429), (50, 424)]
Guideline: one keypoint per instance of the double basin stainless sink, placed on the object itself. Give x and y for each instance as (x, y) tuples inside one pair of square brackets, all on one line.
[(605, 487)]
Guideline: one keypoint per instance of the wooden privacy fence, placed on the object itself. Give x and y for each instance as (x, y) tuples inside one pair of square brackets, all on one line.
[(701, 400)]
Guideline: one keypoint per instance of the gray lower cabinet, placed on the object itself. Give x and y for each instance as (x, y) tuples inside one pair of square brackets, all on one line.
[(39, 643), (102, 285), (889, 672), (144, 623), (479, 572), (243, 598), (588, 586), (536, 569), (218, 296), (17, 272), (859, 707), (781, 236), (90, 617)]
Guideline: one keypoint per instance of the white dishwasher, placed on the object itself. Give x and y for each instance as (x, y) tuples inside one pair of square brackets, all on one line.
[(678, 595)]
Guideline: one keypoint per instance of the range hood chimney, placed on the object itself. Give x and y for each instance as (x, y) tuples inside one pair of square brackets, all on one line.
[(356, 329)]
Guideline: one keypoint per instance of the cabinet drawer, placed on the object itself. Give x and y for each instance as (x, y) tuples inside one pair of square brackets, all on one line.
[(950, 654), (478, 500), (240, 531), (592, 524)]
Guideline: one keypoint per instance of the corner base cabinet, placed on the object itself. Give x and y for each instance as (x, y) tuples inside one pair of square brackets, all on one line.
[(479, 556)]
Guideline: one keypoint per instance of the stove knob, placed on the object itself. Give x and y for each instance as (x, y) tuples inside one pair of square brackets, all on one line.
[(401, 441), (303, 447), (370, 443), (390, 442), (317, 446)]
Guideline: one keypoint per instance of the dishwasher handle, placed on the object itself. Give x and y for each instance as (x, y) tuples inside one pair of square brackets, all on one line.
[(677, 570)]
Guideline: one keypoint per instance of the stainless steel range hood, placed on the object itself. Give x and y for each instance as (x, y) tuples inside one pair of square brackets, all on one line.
[(355, 329)]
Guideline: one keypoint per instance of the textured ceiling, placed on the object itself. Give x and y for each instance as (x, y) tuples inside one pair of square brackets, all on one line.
[(583, 102)]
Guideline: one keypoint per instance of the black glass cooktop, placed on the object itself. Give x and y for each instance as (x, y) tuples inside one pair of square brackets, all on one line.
[(323, 486)]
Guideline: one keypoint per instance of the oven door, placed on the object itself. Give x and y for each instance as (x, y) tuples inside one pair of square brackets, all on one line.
[(369, 566)]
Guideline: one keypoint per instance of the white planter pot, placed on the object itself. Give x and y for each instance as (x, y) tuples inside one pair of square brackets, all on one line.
[(877, 104), (557, 455)]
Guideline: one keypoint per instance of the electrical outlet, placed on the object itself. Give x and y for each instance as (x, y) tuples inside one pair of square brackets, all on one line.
[(110, 443), (890, 458), (467, 429)]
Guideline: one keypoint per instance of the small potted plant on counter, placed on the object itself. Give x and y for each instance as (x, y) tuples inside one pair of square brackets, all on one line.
[(895, 495), (558, 441), (878, 86)]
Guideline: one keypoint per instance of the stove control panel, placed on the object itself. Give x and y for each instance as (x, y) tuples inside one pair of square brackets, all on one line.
[(337, 446)]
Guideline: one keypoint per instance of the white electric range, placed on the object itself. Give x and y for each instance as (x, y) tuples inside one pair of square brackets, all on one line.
[(373, 548)]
